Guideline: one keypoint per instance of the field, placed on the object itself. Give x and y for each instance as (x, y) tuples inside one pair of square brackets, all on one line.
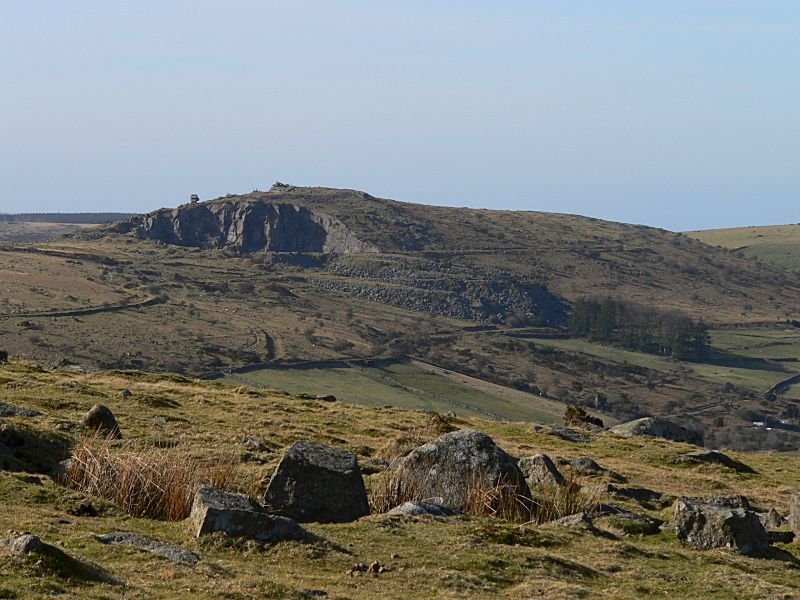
[(34, 232), (411, 385), (774, 244), (429, 558)]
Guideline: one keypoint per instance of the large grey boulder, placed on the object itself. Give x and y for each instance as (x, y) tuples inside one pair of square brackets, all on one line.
[(720, 522), (101, 419), (658, 427), (239, 516), (450, 466), (315, 482), (540, 470)]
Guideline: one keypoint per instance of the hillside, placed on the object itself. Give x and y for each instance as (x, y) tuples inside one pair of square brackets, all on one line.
[(774, 244), (213, 287), (573, 256), (172, 418)]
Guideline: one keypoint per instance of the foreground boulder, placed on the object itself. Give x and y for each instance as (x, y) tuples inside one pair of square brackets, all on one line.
[(455, 464), (540, 470), (720, 522), (101, 419), (317, 483), (658, 427), (238, 516)]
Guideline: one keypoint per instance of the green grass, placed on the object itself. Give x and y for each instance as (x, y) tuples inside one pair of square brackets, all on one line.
[(753, 374), (775, 244), (407, 384), (429, 558)]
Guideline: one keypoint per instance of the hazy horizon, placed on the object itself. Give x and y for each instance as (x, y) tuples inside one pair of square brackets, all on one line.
[(682, 116)]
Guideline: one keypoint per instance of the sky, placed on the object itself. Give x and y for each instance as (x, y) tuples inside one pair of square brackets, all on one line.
[(681, 114)]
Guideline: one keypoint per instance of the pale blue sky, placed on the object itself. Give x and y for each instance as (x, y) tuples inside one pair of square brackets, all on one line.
[(680, 114)]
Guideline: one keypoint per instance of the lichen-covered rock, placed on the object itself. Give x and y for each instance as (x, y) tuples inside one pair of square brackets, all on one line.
[(771, 519), (11, 410), (315, 482), (451, 465), (720, 522), (658, 427), (540, 470), (238, 516), (102, 420), (422, 507), (22, 543), (169, 551), (247, 226)]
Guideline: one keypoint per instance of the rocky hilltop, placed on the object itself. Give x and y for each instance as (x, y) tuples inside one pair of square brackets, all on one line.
[(247, 226)]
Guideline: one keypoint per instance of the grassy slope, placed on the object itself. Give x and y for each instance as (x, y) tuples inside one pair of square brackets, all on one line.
[(774, 244), (461, 558), (410, 385)]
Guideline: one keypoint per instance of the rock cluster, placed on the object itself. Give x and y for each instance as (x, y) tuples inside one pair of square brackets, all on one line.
[(720, 522)]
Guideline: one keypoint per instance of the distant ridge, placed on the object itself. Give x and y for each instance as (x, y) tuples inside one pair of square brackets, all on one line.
[(58, 217)]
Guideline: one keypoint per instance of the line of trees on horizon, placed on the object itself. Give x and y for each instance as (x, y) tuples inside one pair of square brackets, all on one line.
[(640, 328)]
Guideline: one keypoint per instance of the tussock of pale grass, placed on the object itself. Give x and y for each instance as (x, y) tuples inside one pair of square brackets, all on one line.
[(435, 426), (152, 483)]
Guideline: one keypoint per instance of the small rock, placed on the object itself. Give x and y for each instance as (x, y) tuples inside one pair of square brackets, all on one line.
[(658, 427), (238, 516), (22, 543), (315, 482), (85, 509), (326, 398), (578, 520), (423, 507), (169, 551), (125, 393), (712, 456), (101, 419), (11, 410), (3, 357), (540, 470), (771, 519)]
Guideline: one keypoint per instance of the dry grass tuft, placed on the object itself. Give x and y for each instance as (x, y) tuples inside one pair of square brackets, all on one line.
[(435, 426), (152, 483)]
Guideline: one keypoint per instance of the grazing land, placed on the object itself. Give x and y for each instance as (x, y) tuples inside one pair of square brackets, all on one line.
[(475, 557), (774, 244)]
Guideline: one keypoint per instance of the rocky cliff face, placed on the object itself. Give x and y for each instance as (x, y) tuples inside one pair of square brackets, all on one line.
[(248, 226)]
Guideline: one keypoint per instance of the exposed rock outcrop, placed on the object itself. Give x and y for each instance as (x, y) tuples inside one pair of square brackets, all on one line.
[(238, 516), (315, 482), (247, 226), (715, 457), (448, 467), (540, 470), (658, 427), (720, 522)]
